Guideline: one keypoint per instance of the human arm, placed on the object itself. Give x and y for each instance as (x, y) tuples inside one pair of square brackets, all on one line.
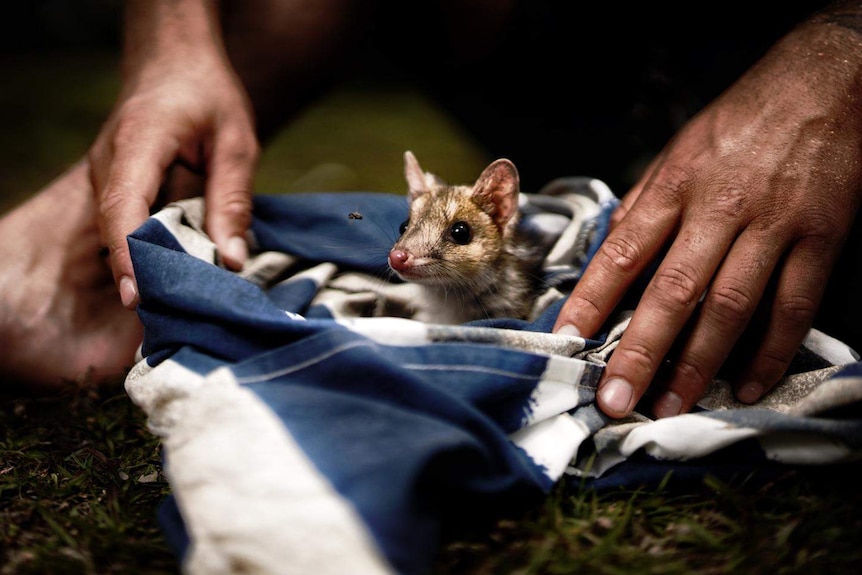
[(752, 201), (181, 103)]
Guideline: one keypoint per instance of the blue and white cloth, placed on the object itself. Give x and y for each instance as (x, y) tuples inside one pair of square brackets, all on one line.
[(309, 425)]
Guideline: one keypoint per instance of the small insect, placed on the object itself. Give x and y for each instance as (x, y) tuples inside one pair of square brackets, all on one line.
[(354, 216)]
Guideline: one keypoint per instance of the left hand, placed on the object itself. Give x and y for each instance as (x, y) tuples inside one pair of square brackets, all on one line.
[(752, 201)]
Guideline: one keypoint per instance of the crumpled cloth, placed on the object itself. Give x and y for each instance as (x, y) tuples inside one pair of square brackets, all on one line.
[(309, 425)]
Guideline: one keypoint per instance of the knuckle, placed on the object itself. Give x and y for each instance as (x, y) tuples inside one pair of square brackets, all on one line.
[(729, 199), (729, 303), (820, 226), (676, 285), (691, 373), (128, 126), (670, 180), (235, 205), (579, 308), (242, 152), (240, 146), (126, 130), (621, 253), (111, 202), (728, 195), (796, 308), (639, 358), (96, 151), (771, 363)]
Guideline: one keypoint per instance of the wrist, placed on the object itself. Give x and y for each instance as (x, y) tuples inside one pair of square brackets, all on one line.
[(159, 32), (819, 63), (831, 40)]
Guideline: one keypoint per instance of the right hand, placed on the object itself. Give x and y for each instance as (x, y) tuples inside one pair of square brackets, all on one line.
[(175, 109)]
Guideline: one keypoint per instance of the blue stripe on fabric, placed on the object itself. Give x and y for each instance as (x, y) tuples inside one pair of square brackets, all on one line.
[(405, 433), (294, 295), (322, 227), (186, 301)]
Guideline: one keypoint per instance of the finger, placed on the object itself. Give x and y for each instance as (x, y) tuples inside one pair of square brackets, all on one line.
[(130, 187), (800, 289), (99, 159), (621, 258), (725, 312), (666, 305), (229, 193), (628, 200), (624, 206)]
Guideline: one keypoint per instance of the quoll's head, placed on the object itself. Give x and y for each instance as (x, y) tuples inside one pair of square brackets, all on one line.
[(454, 233)]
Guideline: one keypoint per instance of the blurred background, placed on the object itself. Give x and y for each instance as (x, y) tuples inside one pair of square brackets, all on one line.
[(59, 77)]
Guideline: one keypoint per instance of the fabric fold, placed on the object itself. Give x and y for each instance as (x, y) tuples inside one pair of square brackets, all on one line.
[(310, 424)]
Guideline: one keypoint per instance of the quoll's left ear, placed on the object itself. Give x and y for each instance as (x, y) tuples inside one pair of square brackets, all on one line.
[(496, 191)]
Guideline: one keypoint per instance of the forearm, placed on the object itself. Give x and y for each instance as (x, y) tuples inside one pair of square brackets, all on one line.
[(815, 71), (287, 51), (843, 14), (162, 31), (831, 42)]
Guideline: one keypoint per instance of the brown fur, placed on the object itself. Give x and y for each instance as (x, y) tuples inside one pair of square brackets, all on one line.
[(482, 278)]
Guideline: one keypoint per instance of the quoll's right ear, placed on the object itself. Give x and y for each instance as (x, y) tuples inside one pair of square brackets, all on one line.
[(416, 183)]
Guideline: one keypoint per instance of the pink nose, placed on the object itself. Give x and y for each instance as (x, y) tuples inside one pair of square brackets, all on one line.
[(399, 260)]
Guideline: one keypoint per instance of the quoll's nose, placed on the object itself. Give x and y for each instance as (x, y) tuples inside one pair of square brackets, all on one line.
[(399, 260)]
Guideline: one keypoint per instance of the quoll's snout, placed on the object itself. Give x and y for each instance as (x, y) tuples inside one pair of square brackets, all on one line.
[(399, 260)]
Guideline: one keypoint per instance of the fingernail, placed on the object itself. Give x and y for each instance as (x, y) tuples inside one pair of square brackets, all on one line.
[(128, 292), (749, 392), (668, 405), (236, 251), (616, 395), (569, 329)]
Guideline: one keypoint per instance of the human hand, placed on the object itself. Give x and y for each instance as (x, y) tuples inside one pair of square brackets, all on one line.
[(752, 202), (60, 318), (182, 105)]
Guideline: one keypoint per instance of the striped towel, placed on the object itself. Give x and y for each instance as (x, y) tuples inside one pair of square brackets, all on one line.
[(309, 425)]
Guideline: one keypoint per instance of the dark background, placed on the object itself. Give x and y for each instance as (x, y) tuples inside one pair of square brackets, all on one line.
[(591, 90)]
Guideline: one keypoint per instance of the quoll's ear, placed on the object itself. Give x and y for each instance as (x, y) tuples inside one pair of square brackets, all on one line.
[(496, 191), (418, 181), (416, 184)]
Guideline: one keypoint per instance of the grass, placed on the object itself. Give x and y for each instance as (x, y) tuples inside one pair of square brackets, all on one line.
[(80, 475), (80, 479), (80, 483), (806, 521)]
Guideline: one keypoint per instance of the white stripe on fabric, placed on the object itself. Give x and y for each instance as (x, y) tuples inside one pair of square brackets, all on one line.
[(832, 350), (177, 382), (248, 494), (184, 220), (684, 437), (557, 390), (552, 444), (388, 330)]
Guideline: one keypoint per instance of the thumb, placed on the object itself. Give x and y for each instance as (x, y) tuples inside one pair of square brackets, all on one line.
[(229, 193)]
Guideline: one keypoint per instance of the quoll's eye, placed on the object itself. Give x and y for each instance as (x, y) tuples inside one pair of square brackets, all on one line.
[(461, 233), (403, 227)]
